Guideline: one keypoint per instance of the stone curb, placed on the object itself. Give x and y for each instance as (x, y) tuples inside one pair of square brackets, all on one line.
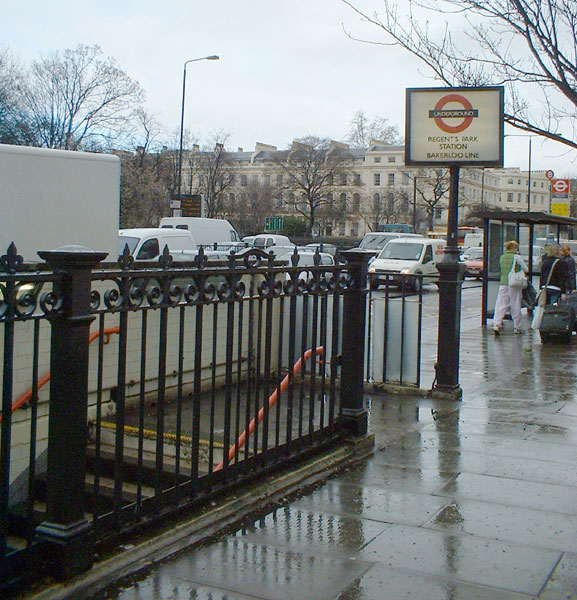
[(232, 509)]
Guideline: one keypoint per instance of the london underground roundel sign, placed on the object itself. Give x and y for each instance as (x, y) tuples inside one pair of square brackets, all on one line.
[(560, 186), (451, 126)]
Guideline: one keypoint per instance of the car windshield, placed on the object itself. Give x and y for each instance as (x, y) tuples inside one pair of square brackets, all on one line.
[(131, 241), (409, 251), (375, 241), (474, 254)]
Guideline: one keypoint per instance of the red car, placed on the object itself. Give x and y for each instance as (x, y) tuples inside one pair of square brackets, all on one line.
[(473, 260)]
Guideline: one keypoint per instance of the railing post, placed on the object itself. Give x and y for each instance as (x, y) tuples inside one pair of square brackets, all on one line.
[(354, 414), (65, 534)]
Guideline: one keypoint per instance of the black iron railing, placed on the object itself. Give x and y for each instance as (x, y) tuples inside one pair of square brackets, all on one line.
[(168, 383)]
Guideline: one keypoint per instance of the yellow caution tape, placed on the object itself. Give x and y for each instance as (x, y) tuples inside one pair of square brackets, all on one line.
[(151, 435)]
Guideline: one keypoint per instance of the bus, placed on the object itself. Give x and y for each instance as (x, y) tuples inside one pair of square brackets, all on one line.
[(396, 227)]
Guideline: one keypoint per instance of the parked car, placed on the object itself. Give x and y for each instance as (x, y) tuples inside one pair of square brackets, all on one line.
[(328, 248), (306, 259), (473, 259), (407, 256)]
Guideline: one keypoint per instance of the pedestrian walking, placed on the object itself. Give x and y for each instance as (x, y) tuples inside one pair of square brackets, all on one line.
[(553, 274), (569, 264), (508, 296)]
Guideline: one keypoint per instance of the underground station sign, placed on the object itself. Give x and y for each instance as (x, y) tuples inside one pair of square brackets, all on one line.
[(454, 126)]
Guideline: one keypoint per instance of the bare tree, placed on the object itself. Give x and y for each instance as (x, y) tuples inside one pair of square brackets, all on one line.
[(526, 45), (313, 169), (249, 208), (148, 175), (391, 207), (75, 100), (211, 168), (14, 128), (362, 131), (432, 186)]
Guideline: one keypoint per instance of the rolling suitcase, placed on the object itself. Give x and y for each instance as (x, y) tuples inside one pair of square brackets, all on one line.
[(557, 324)]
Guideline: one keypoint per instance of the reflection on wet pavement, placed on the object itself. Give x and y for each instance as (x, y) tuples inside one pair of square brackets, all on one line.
[(471, 500)]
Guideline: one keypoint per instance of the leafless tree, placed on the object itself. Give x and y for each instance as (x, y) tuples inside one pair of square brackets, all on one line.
[(432, 187), (14, 127), (362, 131), (313, 169), (249, 208), (211, 173), (526, 45), (74, 99), (148, 175), (390, 207)]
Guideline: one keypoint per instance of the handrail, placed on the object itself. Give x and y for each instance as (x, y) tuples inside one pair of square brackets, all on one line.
[(27, 396), (240, 442)]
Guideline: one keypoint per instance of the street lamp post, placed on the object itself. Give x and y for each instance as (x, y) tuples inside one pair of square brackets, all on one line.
[(528, 166), (211, 57)]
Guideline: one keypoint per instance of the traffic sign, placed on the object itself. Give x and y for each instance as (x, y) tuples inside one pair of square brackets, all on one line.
[(560, 187), (273, 224), (549, 174)]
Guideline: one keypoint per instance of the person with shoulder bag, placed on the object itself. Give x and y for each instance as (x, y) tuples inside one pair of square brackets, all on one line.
[(512, 269), (553, 274), (569, 264)]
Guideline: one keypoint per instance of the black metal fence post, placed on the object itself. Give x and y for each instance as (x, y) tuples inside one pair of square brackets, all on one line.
[(354, 414), (66, 535)]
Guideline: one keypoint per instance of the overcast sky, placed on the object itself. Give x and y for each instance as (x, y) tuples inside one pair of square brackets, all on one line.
[(286, 69)]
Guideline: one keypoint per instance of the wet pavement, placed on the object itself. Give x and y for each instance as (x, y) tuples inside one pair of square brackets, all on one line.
[(460, 500)]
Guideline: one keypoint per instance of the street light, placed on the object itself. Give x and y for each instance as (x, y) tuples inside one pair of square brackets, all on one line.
[(211, 57), (529, 166)]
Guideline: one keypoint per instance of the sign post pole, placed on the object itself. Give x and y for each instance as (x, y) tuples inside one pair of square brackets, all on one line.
[(451, 273), (453, 127)]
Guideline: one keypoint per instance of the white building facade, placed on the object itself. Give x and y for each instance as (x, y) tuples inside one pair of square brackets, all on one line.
[(373, 187)]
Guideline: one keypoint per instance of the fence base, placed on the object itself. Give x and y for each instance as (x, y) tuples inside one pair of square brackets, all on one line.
[(69, 550)]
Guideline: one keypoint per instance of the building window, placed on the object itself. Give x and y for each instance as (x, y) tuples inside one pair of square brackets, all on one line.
[(355, 230), (510, 197), (377, 159), (254, 179), (392, 159), (279, 178), (243, 180), (376, 202), (267, 179), (438, 212), (391, 179), (342, 228), (356, 202), (510, 181), (377, 179), (357, 179), (343, 201)]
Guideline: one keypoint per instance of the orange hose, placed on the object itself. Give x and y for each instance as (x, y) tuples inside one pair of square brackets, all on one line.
[(27, 396), (271, 402)]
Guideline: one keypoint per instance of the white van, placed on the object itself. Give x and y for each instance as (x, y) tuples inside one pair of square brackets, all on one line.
[(279, 244), (206, 232), (405, 256), (377, 240), (147, 243)]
